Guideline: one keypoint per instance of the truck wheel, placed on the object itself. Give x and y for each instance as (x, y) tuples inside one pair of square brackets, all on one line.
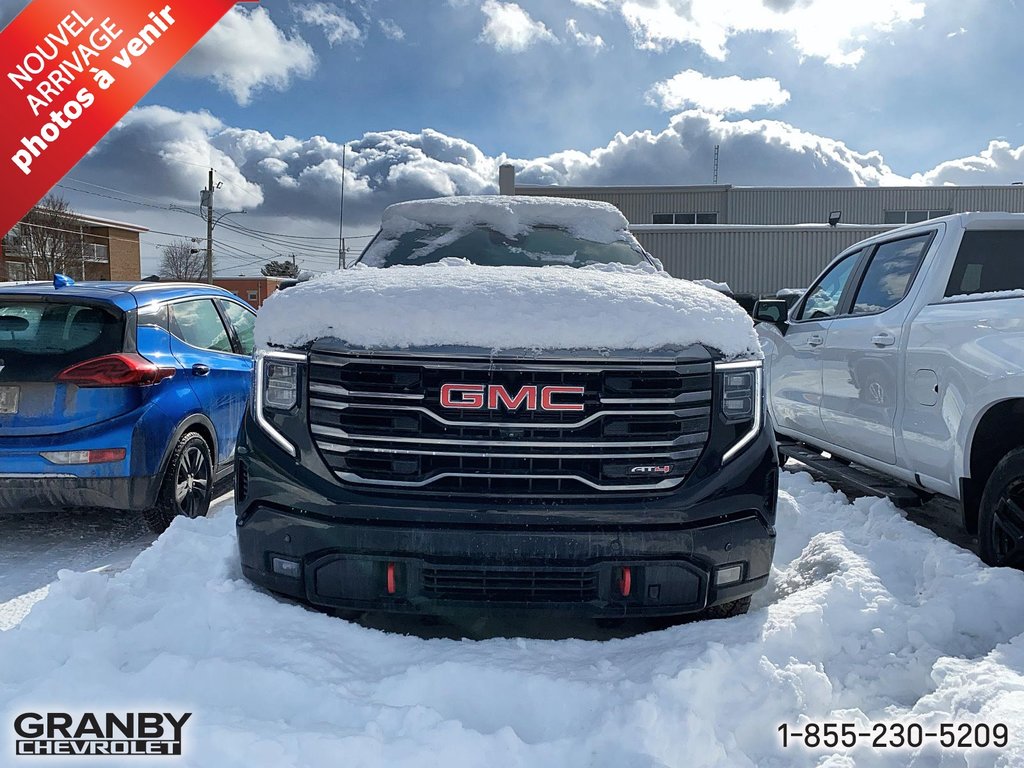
[(726, 610), (1001, 513), (187, 485)]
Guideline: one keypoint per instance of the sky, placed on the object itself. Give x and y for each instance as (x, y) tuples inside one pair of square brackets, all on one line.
[(422, 98)]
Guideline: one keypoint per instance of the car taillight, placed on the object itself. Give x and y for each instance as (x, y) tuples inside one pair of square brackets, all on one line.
[(120, 370)]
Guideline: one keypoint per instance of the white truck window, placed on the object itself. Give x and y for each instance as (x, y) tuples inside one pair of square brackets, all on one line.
[(890, 273), (823, 299), (988, 262)]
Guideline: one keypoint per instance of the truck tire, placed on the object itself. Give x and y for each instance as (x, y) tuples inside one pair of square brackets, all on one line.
[(726, 610), (187, 486), (1001, 513)]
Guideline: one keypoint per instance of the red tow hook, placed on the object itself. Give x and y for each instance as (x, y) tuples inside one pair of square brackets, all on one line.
[(625, 581), (391, 578)]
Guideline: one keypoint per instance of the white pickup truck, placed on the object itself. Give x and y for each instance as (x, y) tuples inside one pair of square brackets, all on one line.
[(906, 356)]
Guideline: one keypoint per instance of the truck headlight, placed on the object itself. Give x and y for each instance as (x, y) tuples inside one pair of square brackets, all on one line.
[(280, 385), (741, 401), (276, 385)]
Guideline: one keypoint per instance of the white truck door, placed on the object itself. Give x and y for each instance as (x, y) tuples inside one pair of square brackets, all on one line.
[(795, 363), (862, 379)]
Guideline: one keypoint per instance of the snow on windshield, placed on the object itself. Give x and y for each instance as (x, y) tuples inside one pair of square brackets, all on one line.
[(511, 216), (553, 307)]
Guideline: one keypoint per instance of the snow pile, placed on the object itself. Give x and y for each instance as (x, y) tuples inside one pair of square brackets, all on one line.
[(555, 307), (867, 617)]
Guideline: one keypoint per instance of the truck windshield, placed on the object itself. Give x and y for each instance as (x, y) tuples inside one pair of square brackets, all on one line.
[(540, 247)]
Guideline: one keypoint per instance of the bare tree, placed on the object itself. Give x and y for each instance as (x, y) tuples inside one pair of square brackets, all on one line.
[(183, 260), (51, 240), (281, 268)]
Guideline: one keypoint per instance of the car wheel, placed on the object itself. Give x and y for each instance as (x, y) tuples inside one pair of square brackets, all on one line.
[(1001, 514), (187, 484), (726, 610)]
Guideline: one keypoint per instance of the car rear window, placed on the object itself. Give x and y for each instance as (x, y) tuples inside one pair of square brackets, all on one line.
[(988, 262), (39, 339)]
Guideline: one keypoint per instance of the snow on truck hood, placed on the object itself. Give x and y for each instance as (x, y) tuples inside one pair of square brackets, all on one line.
[(553, 307)]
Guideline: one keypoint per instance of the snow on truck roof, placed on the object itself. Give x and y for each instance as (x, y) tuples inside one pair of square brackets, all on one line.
[(510, 215), (608, 307), (454, 302)]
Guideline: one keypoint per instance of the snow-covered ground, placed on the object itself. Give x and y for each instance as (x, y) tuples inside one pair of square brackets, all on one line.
[(867, 617)]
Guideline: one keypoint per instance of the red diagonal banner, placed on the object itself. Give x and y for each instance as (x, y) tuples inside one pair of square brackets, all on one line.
[(70, 69)]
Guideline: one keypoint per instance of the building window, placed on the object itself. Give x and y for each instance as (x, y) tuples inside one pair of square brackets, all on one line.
[(97, 252), (685, 218), (252, 295), (913, 217), (17, 270)]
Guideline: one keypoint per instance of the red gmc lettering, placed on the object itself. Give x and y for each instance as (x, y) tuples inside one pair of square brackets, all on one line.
[(470, 396), (547, 402), (474, 397), (498, 393)]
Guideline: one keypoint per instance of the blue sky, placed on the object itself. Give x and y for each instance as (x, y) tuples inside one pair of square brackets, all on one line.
[(431, 95)]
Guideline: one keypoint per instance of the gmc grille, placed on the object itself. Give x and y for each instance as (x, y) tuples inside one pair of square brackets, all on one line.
[(377, 422)]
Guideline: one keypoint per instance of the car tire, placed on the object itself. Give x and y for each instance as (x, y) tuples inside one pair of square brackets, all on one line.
[(187, 486), (1001, 513), (726, 610)]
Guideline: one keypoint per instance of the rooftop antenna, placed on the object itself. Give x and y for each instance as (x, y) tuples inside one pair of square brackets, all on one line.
[(715, 177)]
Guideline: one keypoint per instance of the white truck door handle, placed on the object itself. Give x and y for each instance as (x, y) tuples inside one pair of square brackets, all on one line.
[(815, 341), (883, 340)]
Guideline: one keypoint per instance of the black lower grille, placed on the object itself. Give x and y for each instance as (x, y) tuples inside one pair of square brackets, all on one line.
[(509, 585), (635, 427)]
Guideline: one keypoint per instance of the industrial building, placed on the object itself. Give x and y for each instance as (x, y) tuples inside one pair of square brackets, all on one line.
[(763, 239)]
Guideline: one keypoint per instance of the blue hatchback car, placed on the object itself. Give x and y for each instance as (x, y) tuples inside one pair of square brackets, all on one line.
[(126, 396)]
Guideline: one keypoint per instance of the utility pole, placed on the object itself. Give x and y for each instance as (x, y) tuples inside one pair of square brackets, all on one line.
[(342, 260), (209, 230)]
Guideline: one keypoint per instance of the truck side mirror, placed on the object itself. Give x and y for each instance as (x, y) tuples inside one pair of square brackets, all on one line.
[(774, 311)]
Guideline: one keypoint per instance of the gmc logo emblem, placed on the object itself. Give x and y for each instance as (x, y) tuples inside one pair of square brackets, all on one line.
[(493, 396)]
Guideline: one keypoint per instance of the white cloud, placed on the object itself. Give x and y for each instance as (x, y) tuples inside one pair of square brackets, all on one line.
[(1000, 163), (692, 89), (337, 27), (761, 152), (828, 29), (282, 180), (510, 28), (292, 184), (594, 5), (391, 29), (582, 38), (247, 52)]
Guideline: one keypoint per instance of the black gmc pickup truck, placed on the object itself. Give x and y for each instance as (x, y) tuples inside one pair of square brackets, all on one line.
[(406, 451)]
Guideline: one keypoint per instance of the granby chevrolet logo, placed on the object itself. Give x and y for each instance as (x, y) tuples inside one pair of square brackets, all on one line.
[(495, 396)]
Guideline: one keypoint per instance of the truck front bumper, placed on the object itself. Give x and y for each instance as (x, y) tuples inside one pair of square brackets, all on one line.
[(598, 573)]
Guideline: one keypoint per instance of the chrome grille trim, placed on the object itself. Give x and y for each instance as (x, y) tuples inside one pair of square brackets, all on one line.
[(681, 414), (701, 437), (646, 421), (350, 477), (675, 456)]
